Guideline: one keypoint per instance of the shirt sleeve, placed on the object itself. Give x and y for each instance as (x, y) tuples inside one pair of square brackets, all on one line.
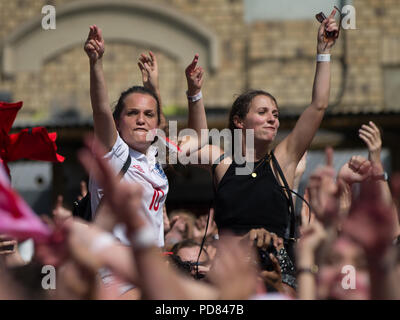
[(118, 154)]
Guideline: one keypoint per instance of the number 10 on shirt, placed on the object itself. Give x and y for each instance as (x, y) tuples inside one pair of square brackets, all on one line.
[(155, 202)]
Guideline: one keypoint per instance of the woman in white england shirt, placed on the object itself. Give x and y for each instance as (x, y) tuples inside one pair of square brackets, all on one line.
[(127, 130)]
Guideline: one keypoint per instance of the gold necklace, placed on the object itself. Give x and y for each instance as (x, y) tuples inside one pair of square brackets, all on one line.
[(253, 173)]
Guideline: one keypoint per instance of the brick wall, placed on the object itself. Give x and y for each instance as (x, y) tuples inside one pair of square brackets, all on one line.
[(276, 56)]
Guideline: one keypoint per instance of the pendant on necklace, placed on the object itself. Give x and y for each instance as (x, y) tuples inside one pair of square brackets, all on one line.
[(254, 175)]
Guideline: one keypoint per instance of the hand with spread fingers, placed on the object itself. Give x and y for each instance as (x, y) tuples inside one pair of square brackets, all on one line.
[(370, 134), (149, 68), (94, 45)]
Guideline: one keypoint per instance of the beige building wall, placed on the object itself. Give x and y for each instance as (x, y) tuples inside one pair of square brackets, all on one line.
[(277, 56)]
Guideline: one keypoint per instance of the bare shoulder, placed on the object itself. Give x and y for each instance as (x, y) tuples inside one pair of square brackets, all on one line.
[(222, 168), (217, 160)]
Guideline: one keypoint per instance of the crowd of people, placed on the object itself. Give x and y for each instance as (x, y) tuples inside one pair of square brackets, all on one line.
[(252, 244)]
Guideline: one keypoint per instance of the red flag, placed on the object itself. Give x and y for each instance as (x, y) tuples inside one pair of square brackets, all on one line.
[(8, 114), (33, 144)]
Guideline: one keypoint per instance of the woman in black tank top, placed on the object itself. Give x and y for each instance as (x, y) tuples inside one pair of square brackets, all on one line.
[(259, 199), (243, 202)]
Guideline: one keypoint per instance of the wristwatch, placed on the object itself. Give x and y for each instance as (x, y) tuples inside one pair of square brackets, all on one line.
[(384, 176)]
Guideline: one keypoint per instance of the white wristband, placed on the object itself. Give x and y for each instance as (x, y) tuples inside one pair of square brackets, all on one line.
[(323, 57), (143, 238), (195, 98), (102, 241)]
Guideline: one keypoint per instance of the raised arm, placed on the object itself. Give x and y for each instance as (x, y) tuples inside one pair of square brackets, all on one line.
[(371, 224), (197, 116), (104, 125), (299, 140), (148, 66), (371, 135)]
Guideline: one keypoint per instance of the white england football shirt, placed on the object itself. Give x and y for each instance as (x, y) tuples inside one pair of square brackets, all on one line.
[(146, 171)]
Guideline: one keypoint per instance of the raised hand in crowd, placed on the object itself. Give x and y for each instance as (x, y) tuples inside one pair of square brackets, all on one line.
[(357, 169), (325, 193), (195, 78), (371, 225), (371, 221), (325, 43), (371, 135), (94, 45), (149, 68), (103, 122)]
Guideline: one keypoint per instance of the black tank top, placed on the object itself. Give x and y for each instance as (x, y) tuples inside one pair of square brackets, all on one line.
[(243, 203)]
